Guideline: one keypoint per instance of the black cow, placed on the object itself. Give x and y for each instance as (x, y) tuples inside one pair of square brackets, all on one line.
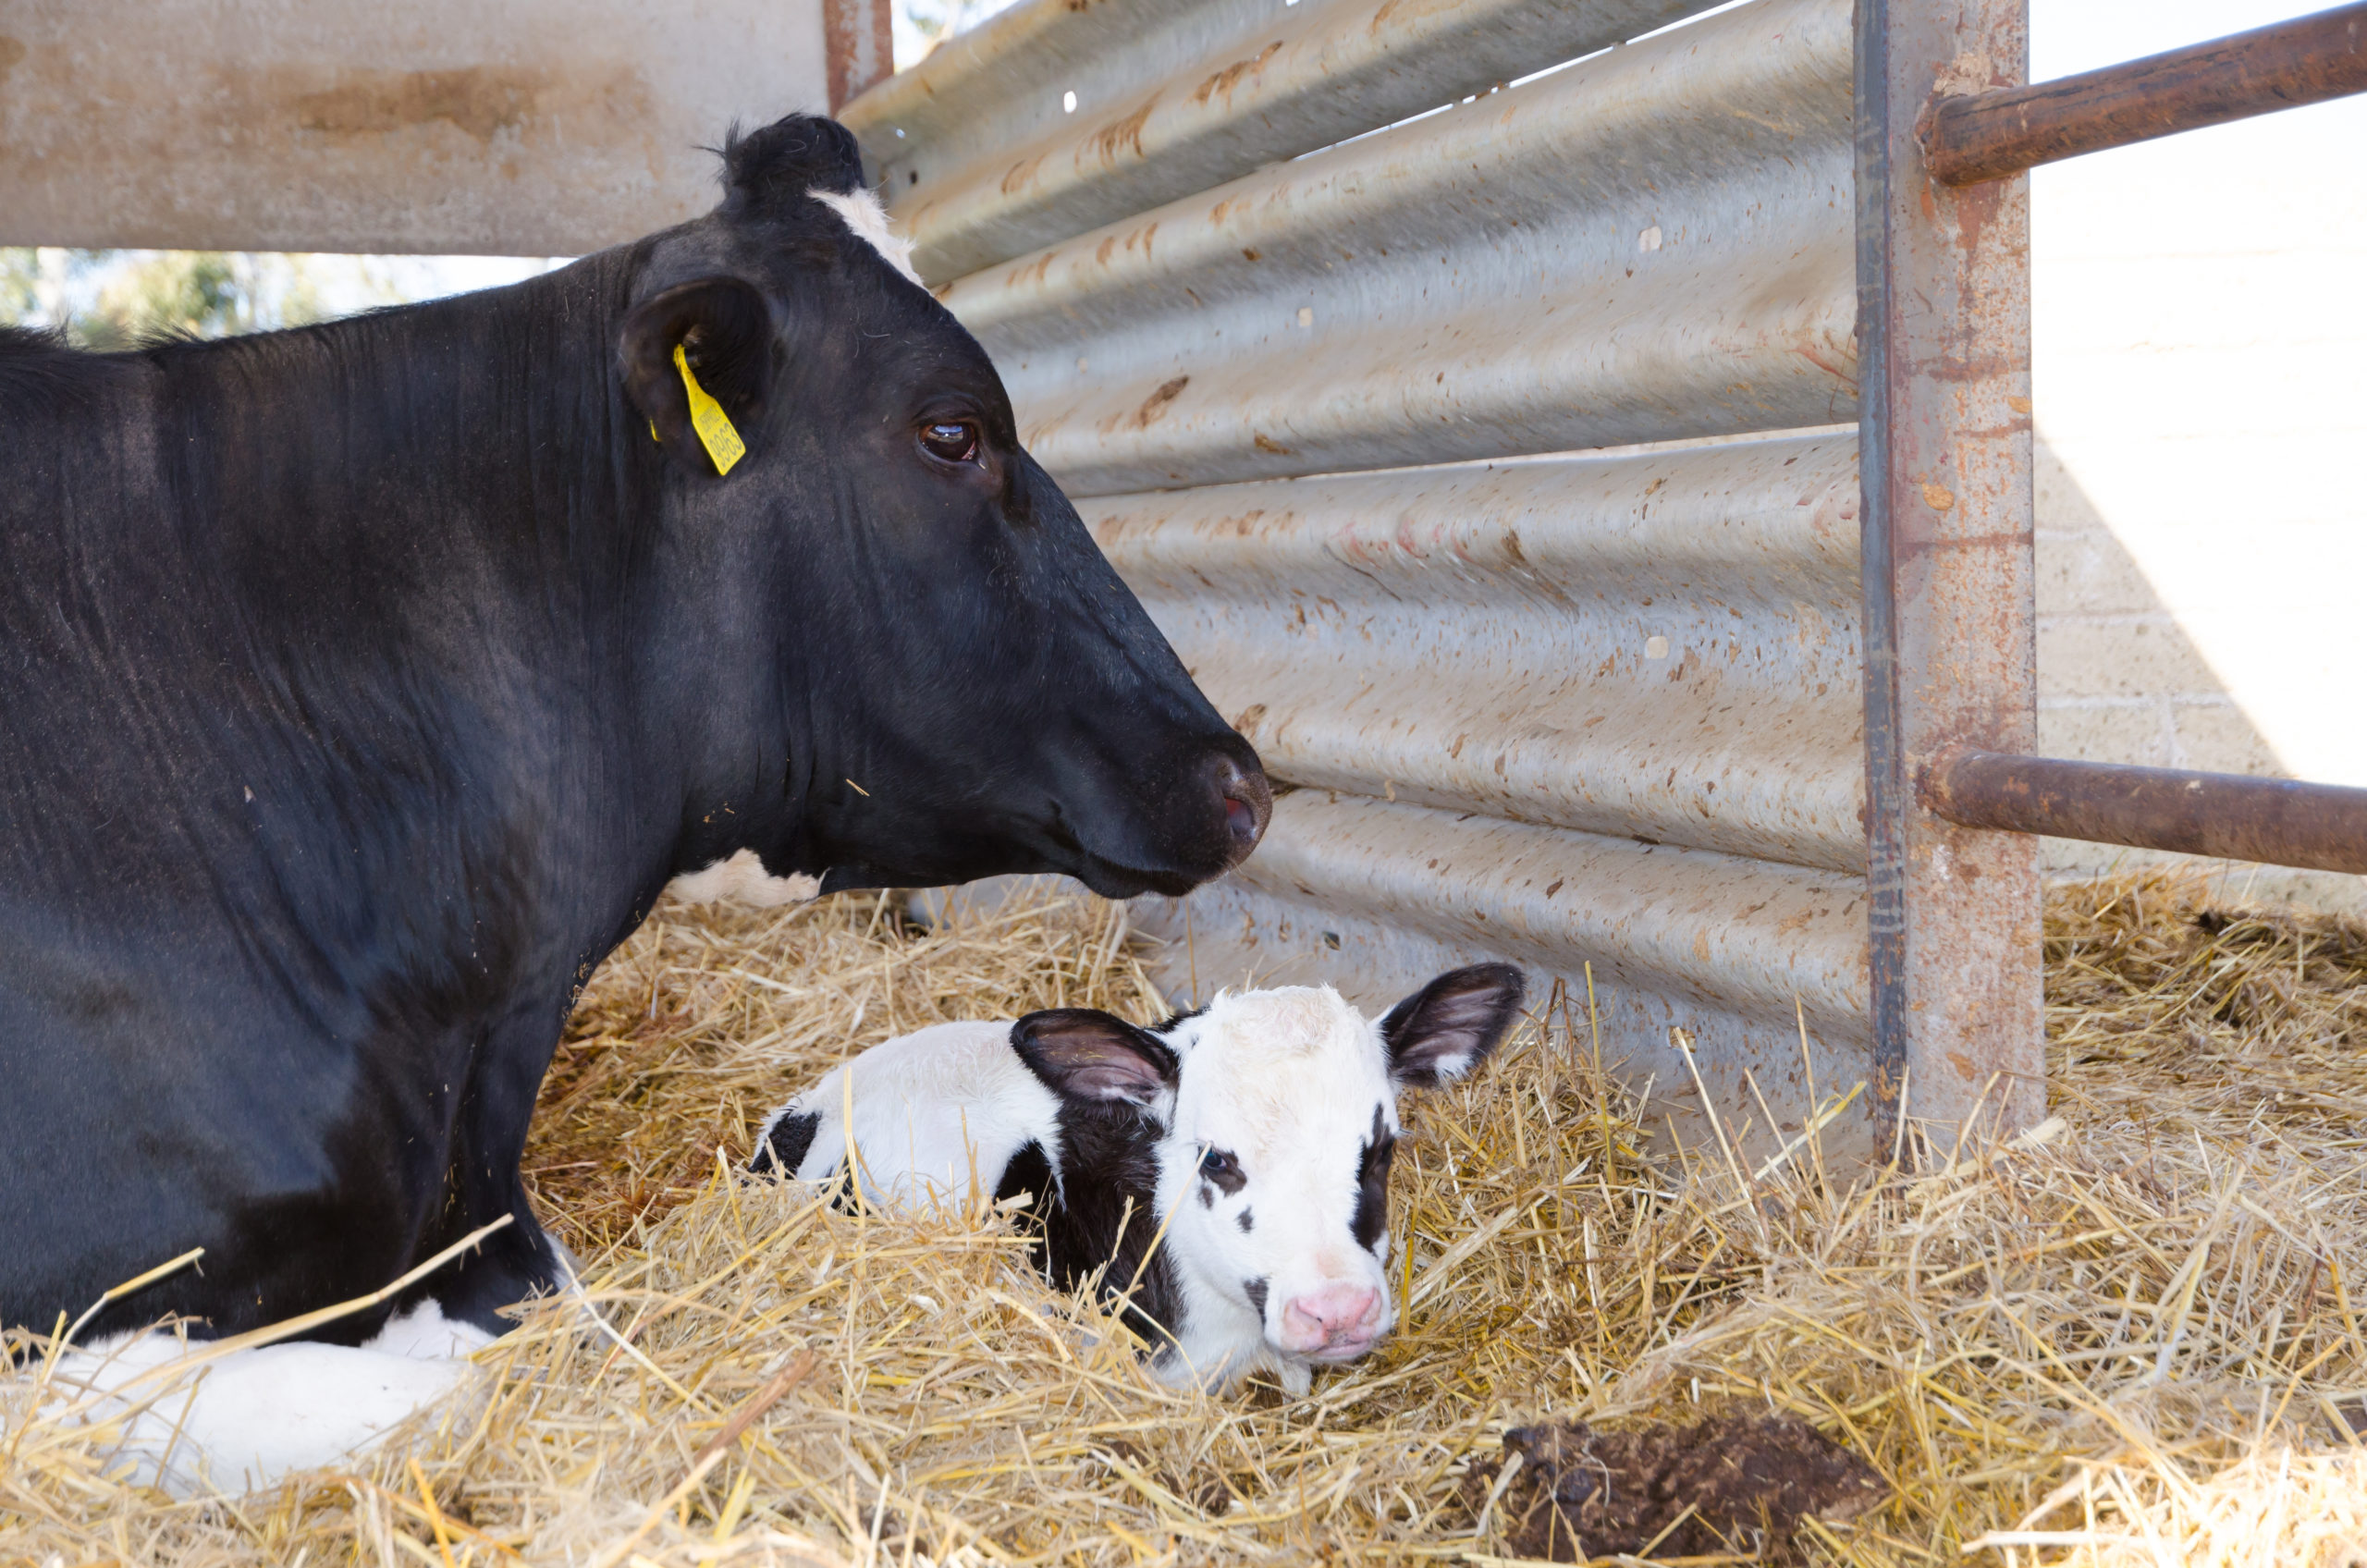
[(362, 685)]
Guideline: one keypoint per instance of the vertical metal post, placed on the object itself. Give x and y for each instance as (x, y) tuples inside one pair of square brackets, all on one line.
[(858, 47), (1944, 461)]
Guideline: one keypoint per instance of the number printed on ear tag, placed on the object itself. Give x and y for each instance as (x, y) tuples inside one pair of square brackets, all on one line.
[(722, 442)]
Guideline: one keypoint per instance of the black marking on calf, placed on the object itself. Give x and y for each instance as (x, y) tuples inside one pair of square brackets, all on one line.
[(785, 1148), (1028, 1173), (840, 1185), (1108, 1158), (1208, 1197), (1243, 1220), (1371, 1219), (1255, 1290)]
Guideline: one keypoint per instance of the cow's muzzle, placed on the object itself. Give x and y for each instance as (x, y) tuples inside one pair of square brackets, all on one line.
[(1337, 1321)]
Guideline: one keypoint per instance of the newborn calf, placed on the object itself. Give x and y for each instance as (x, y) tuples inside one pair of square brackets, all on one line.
[(1252, 1139)]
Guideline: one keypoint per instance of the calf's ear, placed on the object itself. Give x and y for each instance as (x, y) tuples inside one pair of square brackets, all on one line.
[(1444, 1030), (1083, 1054), (725, 332)]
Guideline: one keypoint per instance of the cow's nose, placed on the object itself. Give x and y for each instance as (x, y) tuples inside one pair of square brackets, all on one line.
[(1248, 803), (1338, 1318)]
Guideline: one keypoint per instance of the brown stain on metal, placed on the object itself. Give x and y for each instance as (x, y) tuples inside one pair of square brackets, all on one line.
[(1976, 208), (1417, 9), (1154, 408), (479, 100), (1128, 133), (1021, 174), (1839, 373), (1225, 80)]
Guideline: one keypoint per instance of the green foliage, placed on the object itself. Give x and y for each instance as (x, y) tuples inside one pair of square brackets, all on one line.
[(19, 282), (110, 299), (175, 293)]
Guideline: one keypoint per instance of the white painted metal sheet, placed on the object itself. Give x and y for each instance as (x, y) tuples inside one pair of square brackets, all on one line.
[(1049, 121), (1652, 244)]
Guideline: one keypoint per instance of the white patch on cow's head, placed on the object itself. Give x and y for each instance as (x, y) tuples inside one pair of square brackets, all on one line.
[(742, 879), (868, 219)]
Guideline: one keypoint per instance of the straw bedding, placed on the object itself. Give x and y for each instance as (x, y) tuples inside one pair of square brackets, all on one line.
[(2132, 1336)]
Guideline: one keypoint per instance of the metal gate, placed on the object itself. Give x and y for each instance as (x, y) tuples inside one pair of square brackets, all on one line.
[(1485, 437)]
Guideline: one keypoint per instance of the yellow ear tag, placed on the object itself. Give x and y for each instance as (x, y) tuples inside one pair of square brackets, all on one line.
[(722, 442)]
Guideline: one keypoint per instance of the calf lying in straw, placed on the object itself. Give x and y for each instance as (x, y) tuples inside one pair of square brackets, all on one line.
[(1225, 1175)]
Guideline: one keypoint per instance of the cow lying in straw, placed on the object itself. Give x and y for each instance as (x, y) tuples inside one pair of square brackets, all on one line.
[(362, 686), (1225, 1175)]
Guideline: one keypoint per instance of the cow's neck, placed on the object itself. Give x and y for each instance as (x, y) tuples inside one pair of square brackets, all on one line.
[(434, 512)]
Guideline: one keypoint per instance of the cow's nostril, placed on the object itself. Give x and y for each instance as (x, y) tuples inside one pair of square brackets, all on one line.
[(1248, 805)]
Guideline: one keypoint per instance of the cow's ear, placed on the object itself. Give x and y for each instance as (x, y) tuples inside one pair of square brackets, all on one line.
[(1082, 1054), (725, 333), (1445, 1029)]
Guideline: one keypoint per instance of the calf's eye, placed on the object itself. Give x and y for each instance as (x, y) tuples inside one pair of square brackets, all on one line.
[(1217, 1164), (950, 441)]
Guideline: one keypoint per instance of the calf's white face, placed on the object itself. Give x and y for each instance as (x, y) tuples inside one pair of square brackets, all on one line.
[(1278, 1116)]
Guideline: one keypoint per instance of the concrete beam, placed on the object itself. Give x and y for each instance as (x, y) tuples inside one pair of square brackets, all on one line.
[(494, 127)]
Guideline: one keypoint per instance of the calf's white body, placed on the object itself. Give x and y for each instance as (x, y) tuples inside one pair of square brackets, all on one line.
[(935, 1113)]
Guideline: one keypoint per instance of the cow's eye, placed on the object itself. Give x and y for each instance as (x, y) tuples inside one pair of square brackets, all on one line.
[(1217, 1164), (950, 441)]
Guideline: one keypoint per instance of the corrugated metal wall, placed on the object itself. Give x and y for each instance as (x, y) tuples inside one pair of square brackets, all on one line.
[(1493, 471)]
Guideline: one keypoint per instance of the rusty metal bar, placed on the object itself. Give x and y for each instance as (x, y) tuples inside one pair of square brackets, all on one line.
[(1948, 578), (1987, 136), (2276, 821), (858, 47)]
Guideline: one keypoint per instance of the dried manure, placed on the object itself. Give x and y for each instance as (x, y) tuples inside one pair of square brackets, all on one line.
[(1735, 1486)]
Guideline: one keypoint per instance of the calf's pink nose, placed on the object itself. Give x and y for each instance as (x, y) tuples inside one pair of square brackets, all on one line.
[(1334, 1314)]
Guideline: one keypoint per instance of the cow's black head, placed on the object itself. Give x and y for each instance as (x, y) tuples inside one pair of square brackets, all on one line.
[(913, 666)]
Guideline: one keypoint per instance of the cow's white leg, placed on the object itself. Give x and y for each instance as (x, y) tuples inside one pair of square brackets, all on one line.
[(426, 1334), (241, 1422)]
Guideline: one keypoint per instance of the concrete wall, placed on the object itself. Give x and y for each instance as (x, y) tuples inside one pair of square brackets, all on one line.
[(2200, 358), (496, 127)]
